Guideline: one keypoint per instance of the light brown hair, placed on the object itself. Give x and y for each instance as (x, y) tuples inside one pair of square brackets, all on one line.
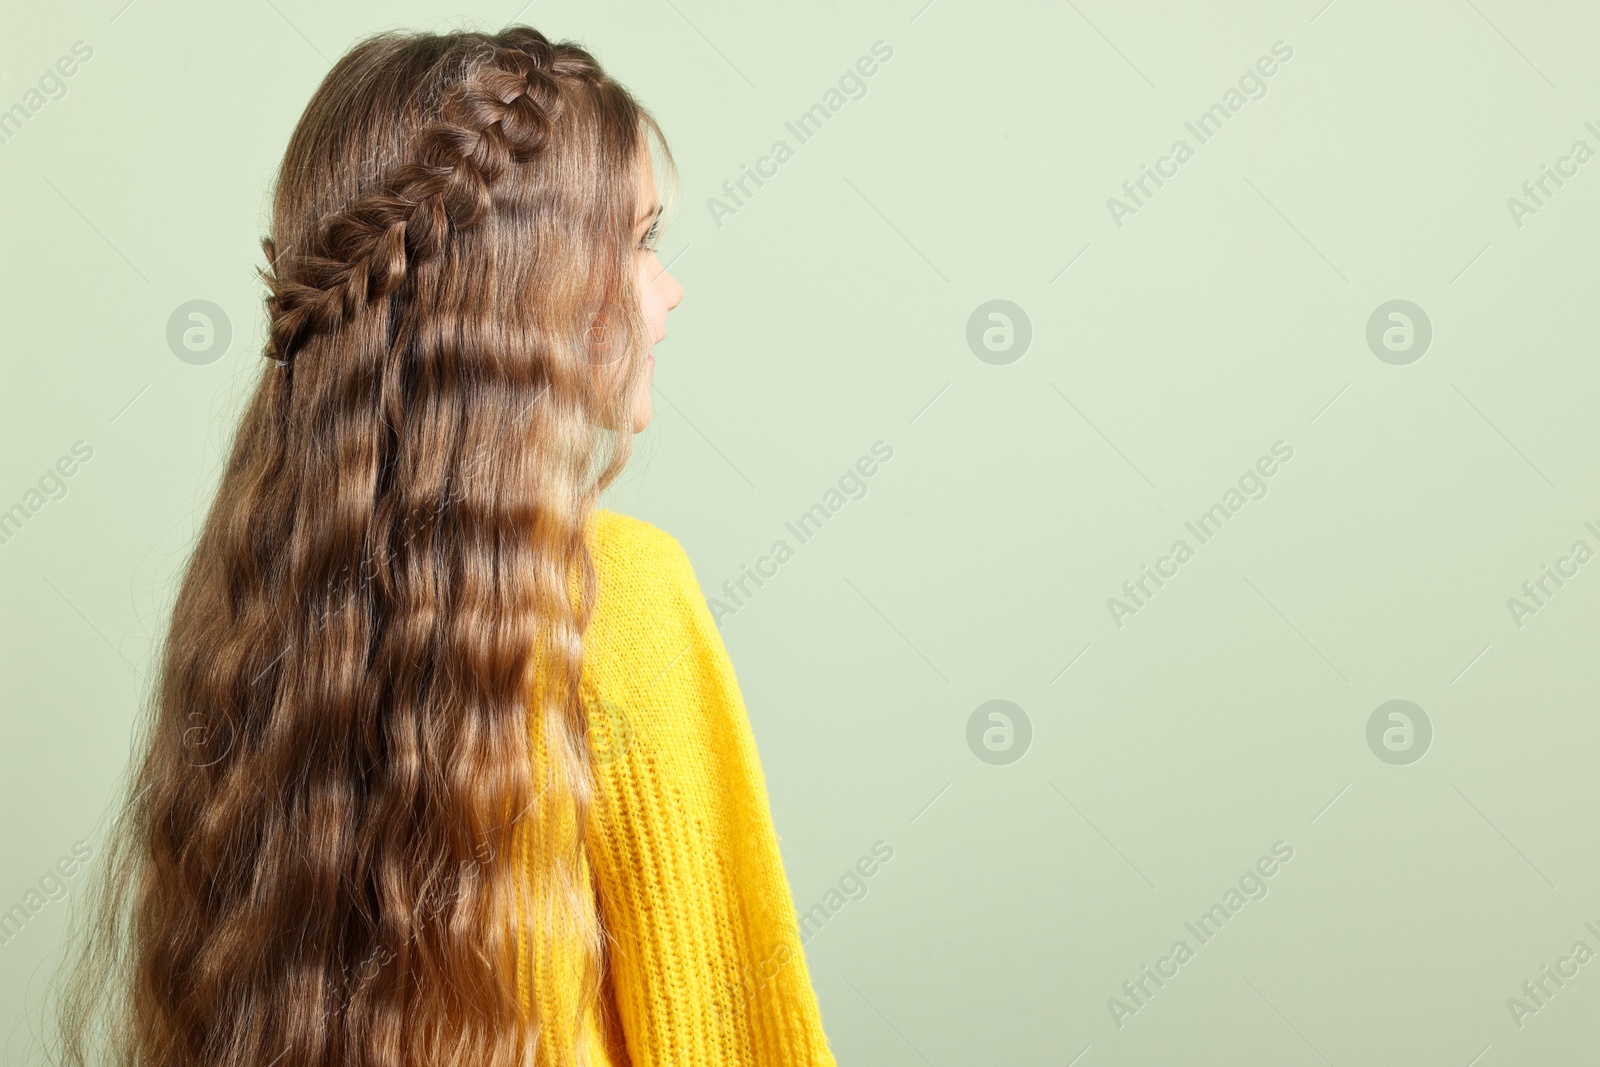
[(313, 862)]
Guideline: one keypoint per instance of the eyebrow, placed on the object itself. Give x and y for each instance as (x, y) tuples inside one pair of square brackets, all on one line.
[(649, 213)]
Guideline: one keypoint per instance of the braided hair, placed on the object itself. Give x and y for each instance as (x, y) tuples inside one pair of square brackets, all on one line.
[(497, 118), (317, 859)]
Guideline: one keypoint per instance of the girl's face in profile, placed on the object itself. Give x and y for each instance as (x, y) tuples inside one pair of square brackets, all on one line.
[(660, 290)]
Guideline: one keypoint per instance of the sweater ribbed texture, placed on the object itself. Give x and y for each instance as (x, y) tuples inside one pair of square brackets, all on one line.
[(707, 968)]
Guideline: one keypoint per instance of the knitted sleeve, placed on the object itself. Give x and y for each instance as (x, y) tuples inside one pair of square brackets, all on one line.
[(706, 966)]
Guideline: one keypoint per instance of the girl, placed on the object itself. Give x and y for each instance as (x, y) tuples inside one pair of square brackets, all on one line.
[(446, 765)]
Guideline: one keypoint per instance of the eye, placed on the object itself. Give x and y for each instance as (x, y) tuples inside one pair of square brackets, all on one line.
[(649, 242)]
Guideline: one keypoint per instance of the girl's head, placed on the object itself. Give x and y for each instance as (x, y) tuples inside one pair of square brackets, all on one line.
[(500, 185), (326, 855)]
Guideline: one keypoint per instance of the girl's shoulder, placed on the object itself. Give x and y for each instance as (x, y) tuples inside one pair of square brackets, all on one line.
[(634, 555), (651, 632), (646, 581), (621, 535)]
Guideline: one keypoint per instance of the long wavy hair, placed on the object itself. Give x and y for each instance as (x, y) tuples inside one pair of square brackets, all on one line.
[(321, 855)]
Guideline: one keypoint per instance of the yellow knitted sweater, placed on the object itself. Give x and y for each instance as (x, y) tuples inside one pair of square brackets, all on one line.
[(705, 967)]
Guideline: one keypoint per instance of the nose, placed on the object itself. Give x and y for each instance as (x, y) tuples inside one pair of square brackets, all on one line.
[(676, 290)]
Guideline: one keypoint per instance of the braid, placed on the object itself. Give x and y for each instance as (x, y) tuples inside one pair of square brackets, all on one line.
[(499, 115)]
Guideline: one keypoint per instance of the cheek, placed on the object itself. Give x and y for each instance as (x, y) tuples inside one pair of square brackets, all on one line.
[(655, 303)]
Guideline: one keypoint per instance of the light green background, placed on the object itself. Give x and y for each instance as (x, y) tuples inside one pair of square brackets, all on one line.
[(826, 315)]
